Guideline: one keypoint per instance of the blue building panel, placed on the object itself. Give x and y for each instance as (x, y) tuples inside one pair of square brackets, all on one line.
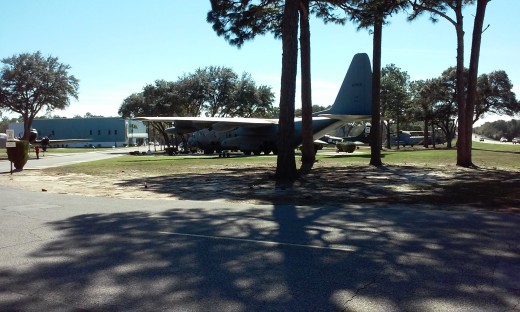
[(100, 131)]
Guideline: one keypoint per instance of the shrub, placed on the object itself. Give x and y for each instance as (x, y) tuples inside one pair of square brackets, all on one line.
[(19, 155), (348, 147), (170, 150)]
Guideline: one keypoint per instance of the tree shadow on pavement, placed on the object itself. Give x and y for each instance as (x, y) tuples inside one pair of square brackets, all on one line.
[(271, 258)]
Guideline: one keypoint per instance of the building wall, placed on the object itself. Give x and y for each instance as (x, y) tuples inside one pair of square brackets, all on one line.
[(102, 131)]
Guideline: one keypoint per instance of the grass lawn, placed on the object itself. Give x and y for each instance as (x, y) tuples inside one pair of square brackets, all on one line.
[(491, 156)]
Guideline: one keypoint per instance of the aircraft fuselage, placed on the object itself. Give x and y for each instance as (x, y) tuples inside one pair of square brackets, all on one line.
[(255, 140)]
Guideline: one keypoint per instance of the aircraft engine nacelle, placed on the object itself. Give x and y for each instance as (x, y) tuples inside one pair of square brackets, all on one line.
[(33, 135)]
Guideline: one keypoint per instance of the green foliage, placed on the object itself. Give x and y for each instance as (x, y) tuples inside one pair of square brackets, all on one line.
[(170, 150), (315, 108), (32, 82), (347, 147), (4, 123), (366, 13), (436, 101), (220, 92), (395, 98), (495, 95), (395, 95), (503, 156), (436, 8), (19, 155), (500, 128), (133, 106), (241, 20), (216, 91)]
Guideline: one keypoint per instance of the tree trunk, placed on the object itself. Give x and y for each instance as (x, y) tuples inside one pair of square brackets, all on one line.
[(285, 162), (397, 130), (425, 133), (388, 135), (465, 159), (375, 148), (27, 125), (433, 135), (308, 152), (166, 138), (460, 92)]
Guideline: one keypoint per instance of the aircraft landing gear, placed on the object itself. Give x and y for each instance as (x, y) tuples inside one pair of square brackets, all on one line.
[(224, 154)]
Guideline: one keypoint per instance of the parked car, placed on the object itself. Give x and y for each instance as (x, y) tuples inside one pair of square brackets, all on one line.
[(481, 139), (516, 140), (503, 139)]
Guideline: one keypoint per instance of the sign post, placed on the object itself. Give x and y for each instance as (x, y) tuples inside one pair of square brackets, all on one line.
[(10, 134), (10, 143)]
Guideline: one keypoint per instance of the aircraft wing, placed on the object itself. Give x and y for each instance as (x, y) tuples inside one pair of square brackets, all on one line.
[(191, 124), (64, 141), (320, 142), (347, 118), (221, 124)]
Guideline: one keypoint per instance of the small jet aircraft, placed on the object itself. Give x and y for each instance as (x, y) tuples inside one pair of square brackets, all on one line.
[(407, 138), (414, 137), (257, 135), (330, 139), (43, 142), (362, 138)]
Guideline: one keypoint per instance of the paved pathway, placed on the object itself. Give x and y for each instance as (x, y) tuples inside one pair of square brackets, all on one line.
[(62, 252), (58, 159)]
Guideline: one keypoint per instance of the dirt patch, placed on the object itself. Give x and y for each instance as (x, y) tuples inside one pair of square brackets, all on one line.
[(449, 188)]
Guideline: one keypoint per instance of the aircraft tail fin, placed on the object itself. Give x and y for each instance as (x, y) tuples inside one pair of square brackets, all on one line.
[(355, 94)]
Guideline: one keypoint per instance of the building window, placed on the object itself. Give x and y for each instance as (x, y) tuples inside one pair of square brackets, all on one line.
[(115, 132), (99, 132), (90, 132), (108, 132)]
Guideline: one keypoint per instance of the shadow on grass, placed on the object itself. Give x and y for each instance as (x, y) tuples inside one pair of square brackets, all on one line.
[(481, 188), (495, 151), (349, 155), (284, 258)]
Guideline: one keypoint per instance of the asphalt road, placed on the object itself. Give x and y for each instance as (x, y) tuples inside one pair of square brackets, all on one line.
[(63, 253)]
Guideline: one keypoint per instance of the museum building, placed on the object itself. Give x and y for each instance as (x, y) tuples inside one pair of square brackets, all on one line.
[(100, 131)]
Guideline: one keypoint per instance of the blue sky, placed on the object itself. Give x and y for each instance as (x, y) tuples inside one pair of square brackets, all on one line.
[(116, 47)]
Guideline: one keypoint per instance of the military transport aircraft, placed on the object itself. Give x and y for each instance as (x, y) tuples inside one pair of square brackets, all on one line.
[(256, 135), (43, 142)]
